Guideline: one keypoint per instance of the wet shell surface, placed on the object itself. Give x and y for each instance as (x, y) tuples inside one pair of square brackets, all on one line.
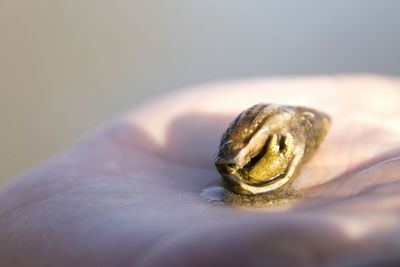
[(264, 147)]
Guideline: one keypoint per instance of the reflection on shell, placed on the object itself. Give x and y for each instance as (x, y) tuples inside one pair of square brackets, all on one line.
[(265, 145)]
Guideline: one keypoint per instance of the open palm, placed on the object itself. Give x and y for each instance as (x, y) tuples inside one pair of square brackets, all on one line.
[(130, 194)]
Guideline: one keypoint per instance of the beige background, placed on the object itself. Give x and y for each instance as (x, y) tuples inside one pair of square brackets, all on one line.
[(68, 65)]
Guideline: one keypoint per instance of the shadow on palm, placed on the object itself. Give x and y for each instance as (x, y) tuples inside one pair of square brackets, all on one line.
[(186, 160)]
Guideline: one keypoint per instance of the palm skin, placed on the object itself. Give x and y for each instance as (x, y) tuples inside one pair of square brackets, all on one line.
[(129, 195)]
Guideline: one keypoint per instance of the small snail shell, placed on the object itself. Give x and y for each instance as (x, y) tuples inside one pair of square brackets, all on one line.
[(265, 145)]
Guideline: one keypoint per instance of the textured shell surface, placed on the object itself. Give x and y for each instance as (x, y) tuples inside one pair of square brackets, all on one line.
[(263, 148)]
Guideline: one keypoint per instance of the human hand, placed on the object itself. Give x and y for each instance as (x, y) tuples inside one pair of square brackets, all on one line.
[(129, 195)]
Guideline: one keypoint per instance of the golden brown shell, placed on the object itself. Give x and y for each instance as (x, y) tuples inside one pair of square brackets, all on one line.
[(265, 145)]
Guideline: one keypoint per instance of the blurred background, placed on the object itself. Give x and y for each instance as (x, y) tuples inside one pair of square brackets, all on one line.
[(68, 65)]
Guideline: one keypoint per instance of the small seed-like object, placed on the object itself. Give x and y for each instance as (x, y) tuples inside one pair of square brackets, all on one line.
[(264, 147)]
